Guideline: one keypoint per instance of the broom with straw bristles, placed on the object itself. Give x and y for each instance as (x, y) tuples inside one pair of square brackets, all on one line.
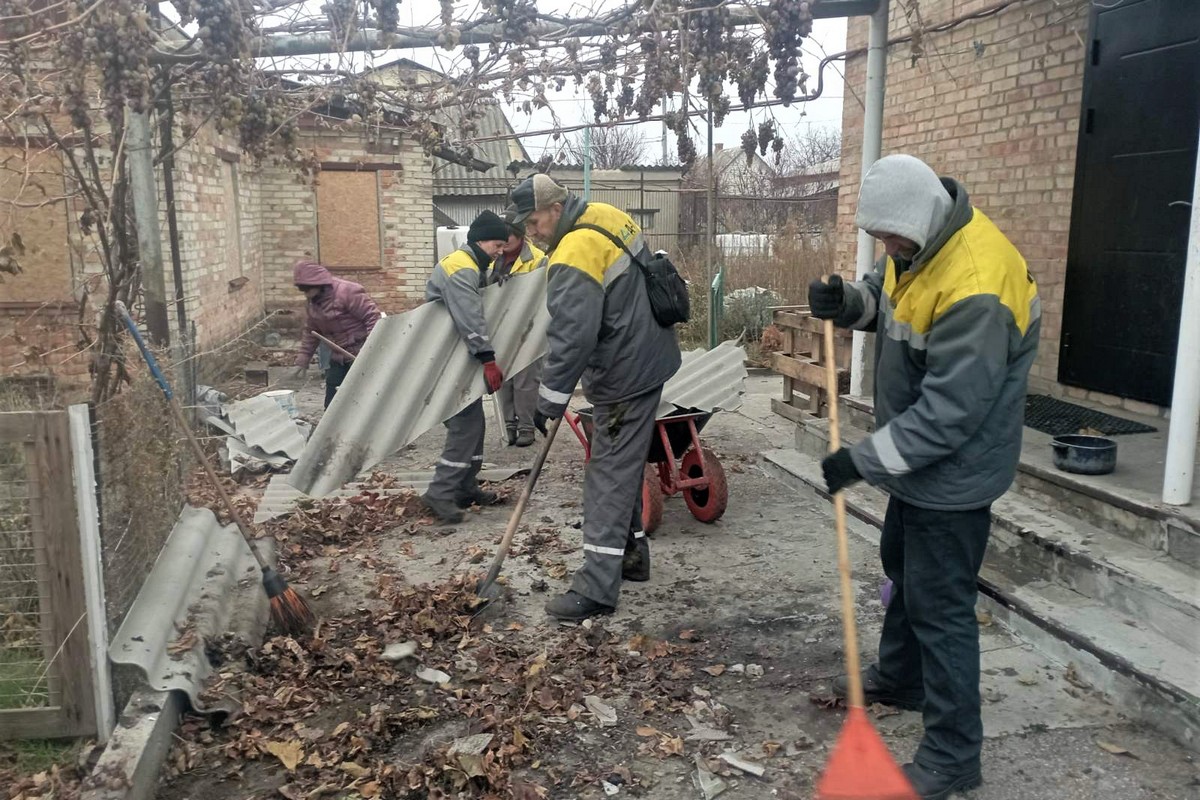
[(289, 611)]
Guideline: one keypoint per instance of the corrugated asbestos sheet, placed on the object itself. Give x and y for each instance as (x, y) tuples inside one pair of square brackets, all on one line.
[(204, 583), (413, 373), (280, 498), (707, 380), (261, 423)]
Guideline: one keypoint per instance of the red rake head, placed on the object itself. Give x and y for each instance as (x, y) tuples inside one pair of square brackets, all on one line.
[(860, 766)]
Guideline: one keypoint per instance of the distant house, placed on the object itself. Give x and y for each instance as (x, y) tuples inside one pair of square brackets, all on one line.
[(648, 194)]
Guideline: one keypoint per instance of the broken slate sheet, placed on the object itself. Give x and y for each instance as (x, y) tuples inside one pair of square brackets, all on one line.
[(413, 373)]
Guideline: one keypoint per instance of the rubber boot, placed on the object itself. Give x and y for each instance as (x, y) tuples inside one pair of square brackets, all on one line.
[(636, 564), (572, 607)]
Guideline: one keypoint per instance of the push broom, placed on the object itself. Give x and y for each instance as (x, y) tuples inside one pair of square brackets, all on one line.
[(289, 611), (860, 766)]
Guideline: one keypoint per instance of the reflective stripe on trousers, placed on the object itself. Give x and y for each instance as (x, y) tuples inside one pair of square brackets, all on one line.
[(462, 456), (612, 492)]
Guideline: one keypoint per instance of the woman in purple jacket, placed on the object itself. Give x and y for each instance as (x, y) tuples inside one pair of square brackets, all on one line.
[(339, 310)]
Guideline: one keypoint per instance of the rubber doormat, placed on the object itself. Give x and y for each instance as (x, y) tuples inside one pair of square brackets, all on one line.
[(1057, 417)]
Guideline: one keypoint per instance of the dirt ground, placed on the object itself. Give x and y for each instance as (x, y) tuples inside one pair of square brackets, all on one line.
[(729, 647)]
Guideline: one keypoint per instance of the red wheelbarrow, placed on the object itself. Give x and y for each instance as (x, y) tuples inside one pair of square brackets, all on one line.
[(677, 463)]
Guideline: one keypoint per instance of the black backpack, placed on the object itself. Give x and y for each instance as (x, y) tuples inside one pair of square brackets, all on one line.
[(666, 288)]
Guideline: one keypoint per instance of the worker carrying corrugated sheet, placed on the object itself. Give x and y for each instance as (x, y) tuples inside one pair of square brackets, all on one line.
[(956, 317), (603, 330), (518, 395), (457, 282)]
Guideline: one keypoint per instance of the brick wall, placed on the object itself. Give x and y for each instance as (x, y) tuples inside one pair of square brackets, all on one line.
[(290, 224), (995, 103), (219, 238)]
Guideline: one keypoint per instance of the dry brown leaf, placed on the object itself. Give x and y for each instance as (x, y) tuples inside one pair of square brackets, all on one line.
[(340, 729), (1115, 749), (538, 665), (354, 769), (290, 754), (557, 571), (519, 740), (671, 746), (687, 635), (715, 670), (371, 789), (646, 730), (771, 748)]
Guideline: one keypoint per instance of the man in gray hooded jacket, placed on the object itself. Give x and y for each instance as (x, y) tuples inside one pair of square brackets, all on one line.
[(956, 317)]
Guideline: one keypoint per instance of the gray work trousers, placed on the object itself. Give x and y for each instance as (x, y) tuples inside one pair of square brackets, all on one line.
[(612, 493), (455, 476), (518, 397)]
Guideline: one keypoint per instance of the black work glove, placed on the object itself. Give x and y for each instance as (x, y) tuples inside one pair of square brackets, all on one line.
[(826, 300), (839, 471), (540, 420)]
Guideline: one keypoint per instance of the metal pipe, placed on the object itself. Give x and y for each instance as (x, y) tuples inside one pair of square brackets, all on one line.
[(166, 122), (1185, 399), (872, 147), (140, 160), (587, 164), (711, 233)]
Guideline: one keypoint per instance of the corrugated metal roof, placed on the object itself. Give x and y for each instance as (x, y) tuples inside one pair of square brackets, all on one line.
[(413, 373), (279, 497), (204, 583), (456, 180), (707, 380), (261, 423)]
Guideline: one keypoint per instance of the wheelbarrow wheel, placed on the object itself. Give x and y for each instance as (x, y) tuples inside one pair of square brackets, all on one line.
[(652, 500), (707, 503)]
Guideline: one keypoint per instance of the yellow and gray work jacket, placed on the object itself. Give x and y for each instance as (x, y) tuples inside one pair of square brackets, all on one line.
[(529, 259), (957, 331), (458, 281), (601, 326)]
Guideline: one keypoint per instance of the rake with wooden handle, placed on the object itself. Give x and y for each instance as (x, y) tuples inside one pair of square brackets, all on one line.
[(860, 766)]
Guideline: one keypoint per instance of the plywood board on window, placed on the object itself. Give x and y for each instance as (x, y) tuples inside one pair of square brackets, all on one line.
[(348, 219), (32, 206)]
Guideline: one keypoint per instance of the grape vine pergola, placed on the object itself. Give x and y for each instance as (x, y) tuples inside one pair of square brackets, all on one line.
[(84, 78)]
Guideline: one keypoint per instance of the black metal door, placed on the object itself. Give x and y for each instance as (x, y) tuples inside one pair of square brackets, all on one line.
[(1133, 186)]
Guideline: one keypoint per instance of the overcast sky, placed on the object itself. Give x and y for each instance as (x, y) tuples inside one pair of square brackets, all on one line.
[(572, 108)]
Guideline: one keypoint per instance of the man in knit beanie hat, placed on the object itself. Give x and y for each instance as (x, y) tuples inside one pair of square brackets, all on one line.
[(458, 281), (956, 316)]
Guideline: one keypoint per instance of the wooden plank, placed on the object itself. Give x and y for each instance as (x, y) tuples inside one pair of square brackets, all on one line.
[(790, 319), (789, 348), (18, 426), (805, 371), (32, 723), (64, 554), (789, 411)]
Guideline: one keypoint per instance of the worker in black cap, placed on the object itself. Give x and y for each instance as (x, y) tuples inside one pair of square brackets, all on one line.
[(458, 281)]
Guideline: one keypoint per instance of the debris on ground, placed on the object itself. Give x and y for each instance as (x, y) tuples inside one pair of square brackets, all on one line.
[(742, 765), (706, 780), (398, 651)]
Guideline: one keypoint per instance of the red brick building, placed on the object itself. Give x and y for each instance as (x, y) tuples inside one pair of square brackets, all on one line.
[(1073, 125)]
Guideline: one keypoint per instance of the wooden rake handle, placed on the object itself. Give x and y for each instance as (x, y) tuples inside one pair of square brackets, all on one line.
[(335, 346), (515, 520), (849, 624)]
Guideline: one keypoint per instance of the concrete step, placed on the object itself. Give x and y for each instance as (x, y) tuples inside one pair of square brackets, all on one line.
[(1037, 539), (1099, 500), (1127, 621)]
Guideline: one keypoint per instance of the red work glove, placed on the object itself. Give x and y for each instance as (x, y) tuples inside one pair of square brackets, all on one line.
[(493, 376)]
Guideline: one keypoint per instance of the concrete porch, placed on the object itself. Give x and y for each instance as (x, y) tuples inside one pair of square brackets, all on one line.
[(1095, 571)]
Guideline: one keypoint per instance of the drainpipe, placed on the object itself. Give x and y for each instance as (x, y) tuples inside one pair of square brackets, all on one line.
[(1185, 400), (872, 147), (140, 158)]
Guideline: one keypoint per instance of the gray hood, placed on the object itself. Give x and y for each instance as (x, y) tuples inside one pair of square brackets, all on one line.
[(901, 195)]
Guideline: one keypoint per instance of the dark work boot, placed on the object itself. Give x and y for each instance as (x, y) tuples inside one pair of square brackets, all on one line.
[(524, 438), (875, 692), (510, 431), (572, 607), (445, 511), (636, 564), (933, 785), (479, 497)]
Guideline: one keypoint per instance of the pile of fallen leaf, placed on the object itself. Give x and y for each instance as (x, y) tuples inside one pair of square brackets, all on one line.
[(423, 700), (380, 506), (61, 781), (201, 494)]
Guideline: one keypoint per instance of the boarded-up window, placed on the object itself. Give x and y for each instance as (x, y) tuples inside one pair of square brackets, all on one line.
[(348, 219), (33, 207)]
